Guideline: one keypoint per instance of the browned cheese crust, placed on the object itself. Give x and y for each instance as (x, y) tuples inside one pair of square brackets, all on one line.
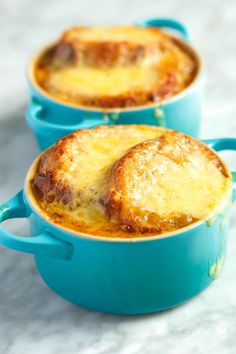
[(136, 168), (52, 182), (156, 51), (144, 172)]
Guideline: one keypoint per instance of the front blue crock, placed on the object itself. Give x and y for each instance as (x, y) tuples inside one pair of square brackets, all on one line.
[(123, 276), (50, 119)]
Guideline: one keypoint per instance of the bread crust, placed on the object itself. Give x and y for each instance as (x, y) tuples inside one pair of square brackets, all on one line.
[(124, 181), (52, 181), (109, 51), (173, 66), (119, 198)]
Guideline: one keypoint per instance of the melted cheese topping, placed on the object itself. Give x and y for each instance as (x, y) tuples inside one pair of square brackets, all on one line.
[(87, 173), (169, 187), (91, 81), (115, 67), (198, 187), (159, 187)]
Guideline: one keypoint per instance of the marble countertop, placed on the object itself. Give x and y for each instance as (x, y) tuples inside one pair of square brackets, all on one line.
[(32, 318)]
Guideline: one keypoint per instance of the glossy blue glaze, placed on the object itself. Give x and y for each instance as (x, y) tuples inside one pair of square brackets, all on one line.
[(122, 276), (50, 119)]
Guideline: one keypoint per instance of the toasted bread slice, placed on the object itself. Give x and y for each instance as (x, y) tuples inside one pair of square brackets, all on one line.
[(164, 184), (115, 67), (108, 46), (73, 170), (127, 181)]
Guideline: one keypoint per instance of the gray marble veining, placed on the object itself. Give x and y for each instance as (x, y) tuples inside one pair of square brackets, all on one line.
[(32, 318)]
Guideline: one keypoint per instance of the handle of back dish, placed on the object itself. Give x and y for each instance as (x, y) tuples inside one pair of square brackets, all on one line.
[(168, 23), (36, 111)]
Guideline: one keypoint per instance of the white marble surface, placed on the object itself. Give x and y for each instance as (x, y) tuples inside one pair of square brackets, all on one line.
[(32, 318)]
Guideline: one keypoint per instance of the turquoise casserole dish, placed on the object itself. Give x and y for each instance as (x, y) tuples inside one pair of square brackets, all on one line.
[(123, 276), (50, 119)]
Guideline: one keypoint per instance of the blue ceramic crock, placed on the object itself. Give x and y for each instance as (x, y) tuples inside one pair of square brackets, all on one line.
[(50, 119), (122, 276)]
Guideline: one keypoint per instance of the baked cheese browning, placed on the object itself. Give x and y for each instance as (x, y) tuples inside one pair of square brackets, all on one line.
[(115, 67), (128, 181), (109, 46), (73, 171), (108, 88), (164, 184)]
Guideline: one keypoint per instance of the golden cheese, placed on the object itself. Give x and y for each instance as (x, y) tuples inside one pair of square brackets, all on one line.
[(115, 67), (128, 181), (98, 81)]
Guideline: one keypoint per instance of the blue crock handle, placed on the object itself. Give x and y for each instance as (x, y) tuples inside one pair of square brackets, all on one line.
[(34, 117), (224, 144), (43, 244), (166, 23)]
